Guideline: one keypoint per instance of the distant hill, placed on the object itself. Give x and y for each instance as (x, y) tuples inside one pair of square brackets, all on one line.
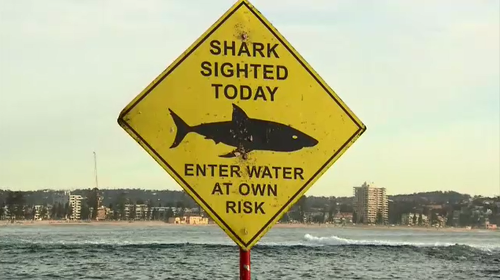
[(435, 197)]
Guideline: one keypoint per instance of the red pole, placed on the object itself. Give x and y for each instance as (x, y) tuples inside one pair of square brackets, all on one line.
[(244, 265)]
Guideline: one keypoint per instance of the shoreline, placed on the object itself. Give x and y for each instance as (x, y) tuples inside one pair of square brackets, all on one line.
[(164, 224)]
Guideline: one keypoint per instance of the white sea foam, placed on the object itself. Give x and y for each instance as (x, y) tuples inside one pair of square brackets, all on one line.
[(336, 240)]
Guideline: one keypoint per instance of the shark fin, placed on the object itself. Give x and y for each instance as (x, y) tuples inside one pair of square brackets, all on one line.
[(240, 124), (238, 114)]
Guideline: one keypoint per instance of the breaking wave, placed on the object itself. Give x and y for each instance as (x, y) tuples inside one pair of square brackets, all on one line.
[(308, 240), (336, 240)]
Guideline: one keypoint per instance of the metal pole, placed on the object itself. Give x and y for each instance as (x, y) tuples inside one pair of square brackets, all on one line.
[(244, 265), (95, 170)]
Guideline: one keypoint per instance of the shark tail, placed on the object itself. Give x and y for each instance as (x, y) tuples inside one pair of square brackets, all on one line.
[(182, 129)]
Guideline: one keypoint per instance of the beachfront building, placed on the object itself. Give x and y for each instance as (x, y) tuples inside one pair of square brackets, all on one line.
[(196, 220), (370, 204), (414, 219), (40, 212), (188, 220), (76, 206), (102, 213), (137, 212), (343, 218)]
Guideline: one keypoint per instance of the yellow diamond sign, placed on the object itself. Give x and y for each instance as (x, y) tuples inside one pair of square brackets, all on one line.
[(242, 123)]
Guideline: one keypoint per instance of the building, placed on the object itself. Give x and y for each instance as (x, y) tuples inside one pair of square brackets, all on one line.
[(102, 212), (76, 206), (370, 202), (414, 219), (176, 220), (41, 212), (137, 212), (189, 220), (491, 226), (196, 220), (342, 218)]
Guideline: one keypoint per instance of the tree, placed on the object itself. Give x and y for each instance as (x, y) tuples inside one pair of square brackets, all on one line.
[(323, 215), (346, 208), (332, 209), (2, 210), (285, 218), (108, 214), (154, 214), (69, 211), (11, 203), (149, 213), (131, 211), (43, 212), (181, 208), (53, 211), (15, 204), (121, 200), (434, 218), (449, 220), (318, 218), (61, 211), (476, 219), (361, 219), (414, 219), (168, 214), (85, 211), (159, 214), (116, 212), (380, 218), (93, 202), (465, 219), (420, 220), (31, 213), (302, 208), (398, 208)]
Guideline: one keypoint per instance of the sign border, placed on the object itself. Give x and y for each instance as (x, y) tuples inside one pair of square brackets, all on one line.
[(122, 121)]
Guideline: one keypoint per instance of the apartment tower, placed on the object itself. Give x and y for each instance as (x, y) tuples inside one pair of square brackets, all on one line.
[(369, 201), (75, 201)]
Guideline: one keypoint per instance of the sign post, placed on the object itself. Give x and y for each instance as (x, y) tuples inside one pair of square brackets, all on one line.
[(244, 264), (243, 124)]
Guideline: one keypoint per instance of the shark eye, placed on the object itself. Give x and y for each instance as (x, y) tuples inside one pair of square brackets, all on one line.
[(294, 137)]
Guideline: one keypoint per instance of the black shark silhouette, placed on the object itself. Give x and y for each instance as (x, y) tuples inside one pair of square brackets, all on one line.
[(246, 134)]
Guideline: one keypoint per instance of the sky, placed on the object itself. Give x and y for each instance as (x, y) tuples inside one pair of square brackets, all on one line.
[(423, 76)]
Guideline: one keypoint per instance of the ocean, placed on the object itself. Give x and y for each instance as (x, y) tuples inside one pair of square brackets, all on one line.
[(205, 252)]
